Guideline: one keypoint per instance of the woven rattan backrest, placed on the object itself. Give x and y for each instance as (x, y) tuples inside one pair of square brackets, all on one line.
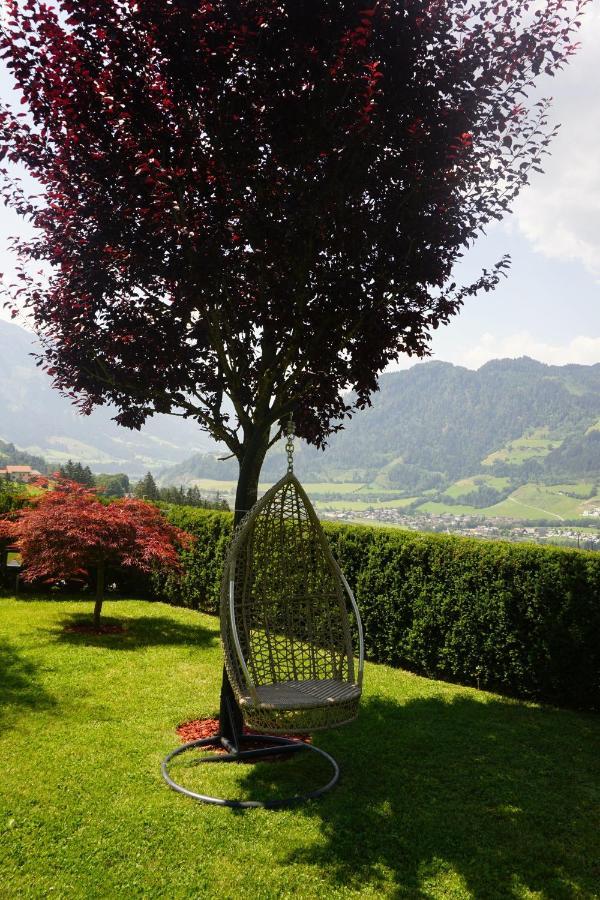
[(290, 607)]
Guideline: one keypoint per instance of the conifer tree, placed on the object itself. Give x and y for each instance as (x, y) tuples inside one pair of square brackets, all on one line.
[(146, 489)]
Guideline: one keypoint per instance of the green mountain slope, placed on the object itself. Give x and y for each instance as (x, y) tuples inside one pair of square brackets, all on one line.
[(517, 420), (11, 456), (428, 428)]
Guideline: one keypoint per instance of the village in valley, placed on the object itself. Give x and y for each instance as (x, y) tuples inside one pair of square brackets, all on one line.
[(582, 537)]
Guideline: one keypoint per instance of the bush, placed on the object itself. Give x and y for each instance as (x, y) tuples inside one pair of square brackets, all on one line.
[(200, 585), (516, 618)]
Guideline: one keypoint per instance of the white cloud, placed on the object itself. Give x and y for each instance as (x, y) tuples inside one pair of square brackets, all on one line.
[(582, 350), (560, 212)]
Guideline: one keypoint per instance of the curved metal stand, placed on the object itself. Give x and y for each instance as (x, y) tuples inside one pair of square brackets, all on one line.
[(277, 745)]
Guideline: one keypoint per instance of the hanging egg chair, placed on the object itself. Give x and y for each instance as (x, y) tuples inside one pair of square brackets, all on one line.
[(286, 631), (293, 659)]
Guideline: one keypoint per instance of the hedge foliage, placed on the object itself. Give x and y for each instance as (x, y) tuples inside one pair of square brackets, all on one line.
[(520, 619), (199, 586)]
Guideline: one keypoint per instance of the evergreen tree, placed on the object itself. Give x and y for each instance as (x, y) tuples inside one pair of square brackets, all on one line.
[(68, 470), (78, 473), (146, 489)]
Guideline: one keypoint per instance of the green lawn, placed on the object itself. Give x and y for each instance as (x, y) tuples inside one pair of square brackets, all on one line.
[(445, 791)]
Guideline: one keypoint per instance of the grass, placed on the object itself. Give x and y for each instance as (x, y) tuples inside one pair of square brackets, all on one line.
[(446, 792), (313, 489), (531, 446), (466, 485), (363, 505), (594, 427), (530, 501)]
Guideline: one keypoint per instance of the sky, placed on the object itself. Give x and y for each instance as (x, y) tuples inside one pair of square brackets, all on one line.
[(549, 306)]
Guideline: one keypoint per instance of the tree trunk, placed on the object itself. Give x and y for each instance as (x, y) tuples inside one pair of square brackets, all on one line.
[(250, 460), (99, 594), (254, 448)]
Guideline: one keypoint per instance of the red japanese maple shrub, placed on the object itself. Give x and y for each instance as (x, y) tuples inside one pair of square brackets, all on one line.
[(67, 531)]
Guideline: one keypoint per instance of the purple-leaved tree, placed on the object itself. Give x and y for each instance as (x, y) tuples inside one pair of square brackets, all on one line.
[(262, 201)]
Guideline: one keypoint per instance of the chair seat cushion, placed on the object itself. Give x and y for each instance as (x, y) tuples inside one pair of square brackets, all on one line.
[(302, 694)]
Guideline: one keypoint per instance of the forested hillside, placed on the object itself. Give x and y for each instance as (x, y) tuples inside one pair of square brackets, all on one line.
[(427, 427), (437, 422), (11, 456)]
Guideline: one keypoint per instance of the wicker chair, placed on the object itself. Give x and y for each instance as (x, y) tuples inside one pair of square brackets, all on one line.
[(285, 627), (287, 638)]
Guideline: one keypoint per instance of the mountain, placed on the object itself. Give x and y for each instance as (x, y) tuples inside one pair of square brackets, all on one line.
[(12, 456), (437, 422), (512, 419), (37, 419)]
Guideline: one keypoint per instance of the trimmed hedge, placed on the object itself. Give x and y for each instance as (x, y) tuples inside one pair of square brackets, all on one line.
[(520, 619), (200, 585)]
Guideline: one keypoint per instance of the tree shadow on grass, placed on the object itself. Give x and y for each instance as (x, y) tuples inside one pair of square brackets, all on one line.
[(19, 684), (488, 798), (141, 631)]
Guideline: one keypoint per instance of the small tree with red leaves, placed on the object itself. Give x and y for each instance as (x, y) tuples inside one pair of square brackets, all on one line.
[(67, 531)]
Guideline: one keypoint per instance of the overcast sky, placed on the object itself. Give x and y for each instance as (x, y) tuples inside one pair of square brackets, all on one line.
[(549, 306)]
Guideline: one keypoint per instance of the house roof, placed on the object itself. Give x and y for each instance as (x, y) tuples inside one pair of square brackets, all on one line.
[(19, 470)]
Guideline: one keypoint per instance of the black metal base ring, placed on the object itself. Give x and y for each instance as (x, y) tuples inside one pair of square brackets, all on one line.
[(282, 745)]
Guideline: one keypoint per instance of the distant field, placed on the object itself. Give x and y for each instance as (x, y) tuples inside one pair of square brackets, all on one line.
[(400, 503), (538, 501), (332, 487), (355, 505), (376, 489), (594, 427), (521, 449), (466, 485), (530, 501), (575, 487), (312, 488), (438, 509), (363, 505), (212, 484)]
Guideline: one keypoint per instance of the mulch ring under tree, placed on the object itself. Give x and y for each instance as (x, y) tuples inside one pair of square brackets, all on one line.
[(198, 729)]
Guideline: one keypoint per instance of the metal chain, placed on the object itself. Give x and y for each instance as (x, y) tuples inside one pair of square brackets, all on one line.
[(289, 444)]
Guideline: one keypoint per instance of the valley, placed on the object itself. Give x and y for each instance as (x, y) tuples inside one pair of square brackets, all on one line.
[(513, 445)]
